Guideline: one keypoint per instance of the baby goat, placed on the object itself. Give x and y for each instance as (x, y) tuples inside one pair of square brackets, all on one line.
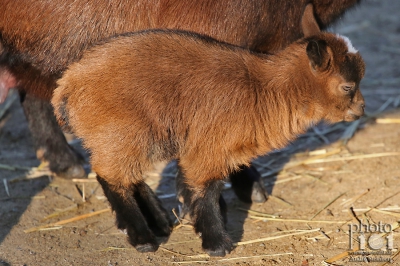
[(159, 95)]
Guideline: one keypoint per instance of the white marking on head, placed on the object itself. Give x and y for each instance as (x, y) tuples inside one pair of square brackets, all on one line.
[(350, 47)]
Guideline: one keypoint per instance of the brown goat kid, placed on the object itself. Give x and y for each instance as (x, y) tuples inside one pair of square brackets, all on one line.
[(160, 95), (42, 37)]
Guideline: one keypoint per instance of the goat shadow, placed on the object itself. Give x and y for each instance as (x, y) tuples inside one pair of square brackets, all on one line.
[(13, 206), (4, 263), (17, 155), (268, 166)]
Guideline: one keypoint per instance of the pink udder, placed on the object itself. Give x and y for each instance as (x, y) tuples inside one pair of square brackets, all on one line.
[(7, 81)]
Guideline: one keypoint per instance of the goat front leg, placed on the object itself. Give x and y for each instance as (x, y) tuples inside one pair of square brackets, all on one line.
[(183, 191), (139, 212), (202, 200)]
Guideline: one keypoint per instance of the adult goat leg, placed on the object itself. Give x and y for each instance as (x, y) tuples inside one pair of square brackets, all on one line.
[(49, 140)]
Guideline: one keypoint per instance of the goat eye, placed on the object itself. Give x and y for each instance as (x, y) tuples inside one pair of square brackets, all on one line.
[(347, 88)]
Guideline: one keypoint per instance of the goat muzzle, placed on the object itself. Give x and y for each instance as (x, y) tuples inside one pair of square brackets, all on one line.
[(355, 112)]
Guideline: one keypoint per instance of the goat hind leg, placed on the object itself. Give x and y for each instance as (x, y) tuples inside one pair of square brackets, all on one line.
[(138, 212), (129, 217), (156, 216)]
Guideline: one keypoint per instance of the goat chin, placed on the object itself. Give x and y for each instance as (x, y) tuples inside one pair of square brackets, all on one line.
[(353, 115)]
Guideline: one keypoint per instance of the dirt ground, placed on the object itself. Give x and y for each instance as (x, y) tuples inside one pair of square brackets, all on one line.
[(329, 178)]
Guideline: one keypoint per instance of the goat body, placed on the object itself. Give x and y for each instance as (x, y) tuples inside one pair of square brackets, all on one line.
[(161, 95)]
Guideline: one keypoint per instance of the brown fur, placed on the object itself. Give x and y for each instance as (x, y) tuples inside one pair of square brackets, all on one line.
[(160, 96), (58, 32)]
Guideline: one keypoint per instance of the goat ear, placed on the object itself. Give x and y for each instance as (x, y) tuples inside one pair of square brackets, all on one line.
[(318, 54), (309, 24)]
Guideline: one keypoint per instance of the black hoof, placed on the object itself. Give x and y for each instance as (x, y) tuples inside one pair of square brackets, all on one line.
[(76, 171), (146, 248), (215, 250), (217, 253), (258, 193)]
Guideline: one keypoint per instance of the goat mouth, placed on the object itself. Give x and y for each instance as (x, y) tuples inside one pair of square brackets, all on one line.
[(350, 116)]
